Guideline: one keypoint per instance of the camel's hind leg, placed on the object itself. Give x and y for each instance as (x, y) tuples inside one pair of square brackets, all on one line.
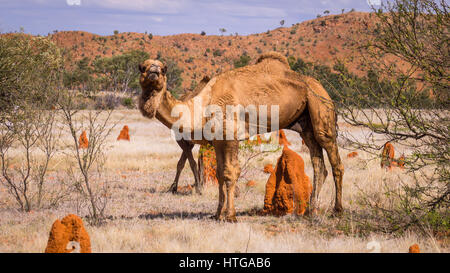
[(187, 154), (305, 129), (329, 143), (323, 120), (195, 170), (338, 172)]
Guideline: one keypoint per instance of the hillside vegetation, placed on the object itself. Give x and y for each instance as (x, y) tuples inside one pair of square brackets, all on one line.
[(320, 41)]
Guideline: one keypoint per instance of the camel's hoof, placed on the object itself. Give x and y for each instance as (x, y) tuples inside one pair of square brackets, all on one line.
[(338, 211), (172, 189), (231, 219), (217, 217)]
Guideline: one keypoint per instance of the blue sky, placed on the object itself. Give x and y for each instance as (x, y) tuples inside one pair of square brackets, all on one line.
[(163, 17)]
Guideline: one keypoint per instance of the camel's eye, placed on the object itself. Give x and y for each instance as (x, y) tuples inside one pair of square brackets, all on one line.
[(142, 68)]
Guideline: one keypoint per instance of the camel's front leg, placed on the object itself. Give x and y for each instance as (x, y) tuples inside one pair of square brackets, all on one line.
[(228, 172), (219, 174), (174, 187)]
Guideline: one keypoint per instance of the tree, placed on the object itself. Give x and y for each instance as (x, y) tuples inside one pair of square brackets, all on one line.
[(116, 32), (120, 72), (326, 12), (413, 32), (81, 77), (282, 22), (222, 30), (29, 76), (86, 174), (203, 33)]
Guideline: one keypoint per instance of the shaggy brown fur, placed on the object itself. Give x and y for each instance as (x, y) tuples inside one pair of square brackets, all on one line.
[(304, 106)]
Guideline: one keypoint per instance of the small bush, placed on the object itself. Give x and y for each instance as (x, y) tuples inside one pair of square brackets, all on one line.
[(128, 103), (217, 52), (108, 102)]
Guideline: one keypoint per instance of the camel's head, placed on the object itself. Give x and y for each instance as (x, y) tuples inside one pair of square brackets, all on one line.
[(153, 83), (153, 75)]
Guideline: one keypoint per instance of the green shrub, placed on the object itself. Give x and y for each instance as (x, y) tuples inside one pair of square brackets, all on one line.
[(128, 103)]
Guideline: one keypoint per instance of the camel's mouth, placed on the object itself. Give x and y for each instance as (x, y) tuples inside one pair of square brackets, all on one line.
[(152, 75)]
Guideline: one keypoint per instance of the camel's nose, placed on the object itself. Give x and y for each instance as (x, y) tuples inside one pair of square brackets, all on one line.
[(155, 69)]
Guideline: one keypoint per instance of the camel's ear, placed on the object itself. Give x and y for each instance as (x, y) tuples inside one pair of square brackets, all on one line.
[(141, 68), (164, 70)]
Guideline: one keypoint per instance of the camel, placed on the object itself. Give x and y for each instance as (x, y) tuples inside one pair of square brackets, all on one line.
[(187, 147), (303, 106)]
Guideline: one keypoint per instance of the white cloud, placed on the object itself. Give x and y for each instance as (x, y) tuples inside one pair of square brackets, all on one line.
[(151, 6), (157, 19), (73, 2)]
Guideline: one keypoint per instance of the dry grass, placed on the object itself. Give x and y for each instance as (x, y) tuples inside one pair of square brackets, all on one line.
[(144, 218)]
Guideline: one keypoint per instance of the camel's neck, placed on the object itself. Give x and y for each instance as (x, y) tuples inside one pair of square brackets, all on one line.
[(163, 113), (155, 101)]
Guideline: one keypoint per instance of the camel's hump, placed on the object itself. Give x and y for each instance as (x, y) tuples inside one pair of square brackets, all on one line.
[(274, 56)]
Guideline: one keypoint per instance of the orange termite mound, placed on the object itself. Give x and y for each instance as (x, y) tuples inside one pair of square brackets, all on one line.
[(69, 230), (208, 155), (83, 141), (387, 156), (251, 183), (124, 134), (258, 140), (288, 186), (414, 248), (282, 140), (352, 154)]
